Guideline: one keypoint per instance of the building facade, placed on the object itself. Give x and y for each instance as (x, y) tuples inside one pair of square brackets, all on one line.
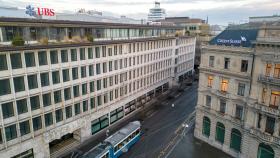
[(66, 89), (239, 96)]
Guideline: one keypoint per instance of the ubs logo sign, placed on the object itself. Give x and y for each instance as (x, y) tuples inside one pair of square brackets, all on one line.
[(31, 11)]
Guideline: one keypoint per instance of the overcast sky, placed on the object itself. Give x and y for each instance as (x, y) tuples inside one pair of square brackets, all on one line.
[(218, 11)]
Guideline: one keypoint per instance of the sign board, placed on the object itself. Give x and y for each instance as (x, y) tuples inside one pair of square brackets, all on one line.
[(39, 11)]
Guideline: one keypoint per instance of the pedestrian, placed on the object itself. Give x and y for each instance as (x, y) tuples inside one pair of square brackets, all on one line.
[(172, 105)]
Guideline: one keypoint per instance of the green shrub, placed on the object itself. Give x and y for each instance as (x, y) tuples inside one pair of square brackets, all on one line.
[(90, 38), (17, 41)]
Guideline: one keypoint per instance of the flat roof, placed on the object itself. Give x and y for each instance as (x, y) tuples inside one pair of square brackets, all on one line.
[(67, 23)]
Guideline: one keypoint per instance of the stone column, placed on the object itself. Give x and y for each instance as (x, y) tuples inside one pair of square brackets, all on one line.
[(276, 128), (263, 120)]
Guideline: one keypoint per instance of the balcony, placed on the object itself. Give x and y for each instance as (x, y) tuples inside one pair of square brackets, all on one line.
[(269, 80), (265, 136), (270, 110)]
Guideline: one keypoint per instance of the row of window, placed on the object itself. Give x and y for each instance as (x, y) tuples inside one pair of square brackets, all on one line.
[(224, 85), (76, 73), (222, 109), (236, 136), (243, 66), (73, 92), (30, 61)]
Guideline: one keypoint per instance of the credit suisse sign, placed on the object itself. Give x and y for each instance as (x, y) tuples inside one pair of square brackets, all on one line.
[(232, 41), (31, 11)]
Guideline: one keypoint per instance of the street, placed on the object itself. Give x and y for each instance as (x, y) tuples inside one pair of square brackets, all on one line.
[(161, 131)]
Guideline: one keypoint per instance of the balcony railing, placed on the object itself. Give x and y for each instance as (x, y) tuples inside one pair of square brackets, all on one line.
[(270, 110), (265, 136), (270, 80)]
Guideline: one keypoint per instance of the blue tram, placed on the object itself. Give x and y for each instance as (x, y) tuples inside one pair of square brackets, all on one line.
[(118, 143)]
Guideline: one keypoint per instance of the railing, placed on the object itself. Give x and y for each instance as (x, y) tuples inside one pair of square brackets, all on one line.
[(265, 136), (269, 80), (270, 110), (268, 39)]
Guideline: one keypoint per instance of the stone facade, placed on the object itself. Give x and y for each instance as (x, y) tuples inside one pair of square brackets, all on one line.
[(243, 96)]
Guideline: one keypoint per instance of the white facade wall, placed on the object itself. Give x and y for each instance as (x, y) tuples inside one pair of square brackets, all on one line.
[(149, 69)]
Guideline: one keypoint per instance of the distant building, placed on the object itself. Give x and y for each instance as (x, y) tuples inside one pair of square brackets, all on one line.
[(264, 19), (156, 13), (193, 26), (239, 93)]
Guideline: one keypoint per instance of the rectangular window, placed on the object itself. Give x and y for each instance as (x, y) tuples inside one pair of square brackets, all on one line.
[(19, 84), (5, 87), (58, 115), (67, 94), (97, 52), (48, 119), (227, 63), (64, 56), (90, 53), (55, 77), (104, 82), (45, 79), (57, 96), (104, 67), (91, 86), (275, 99), (244, 65), (16, 61), (24, 128), (37, 123), (22, 106), (270, 123), (110, 52), (74, 55), (35, 102), (239, 112), (98, 70), (77, 108), (47, 99), (32, 81), (7, 110), (90, 70), (75, 73), (83, 71), (42, 57), (54, 57), (241, 89), (3, 62), (268, 69), (92, 103), (85, 106), (99, 100), (210, 81), (76, 91), (211, 61), (68, 111), (103, 51), (98, 85), (224, 85), (84, 89), (208, 100), (11, 132), (29, 59), (277, 71), (82, 54), (222, 106), (110, 65), (65, 75)]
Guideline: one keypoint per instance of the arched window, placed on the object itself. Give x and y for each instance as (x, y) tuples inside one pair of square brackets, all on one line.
[(235, 140), (206, 126), (265, 151), (220, 132)]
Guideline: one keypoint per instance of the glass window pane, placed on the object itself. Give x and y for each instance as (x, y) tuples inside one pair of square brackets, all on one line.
[(42, 56), (16, 61), (3, 62), (19, 84), (32, 81), (5, 87), (30, 59)]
